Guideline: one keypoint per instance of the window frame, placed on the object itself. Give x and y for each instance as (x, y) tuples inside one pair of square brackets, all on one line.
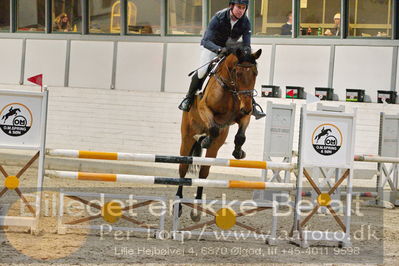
[(164, 24)]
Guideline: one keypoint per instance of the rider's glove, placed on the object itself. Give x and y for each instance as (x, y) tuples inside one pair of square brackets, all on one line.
[(223, 51)]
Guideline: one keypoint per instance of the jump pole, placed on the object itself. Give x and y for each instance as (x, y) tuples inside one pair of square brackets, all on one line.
[(376, 159), (135, 157), (155, 180)]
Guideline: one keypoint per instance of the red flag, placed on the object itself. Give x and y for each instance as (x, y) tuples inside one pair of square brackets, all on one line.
[(38, 79), (291, 93)]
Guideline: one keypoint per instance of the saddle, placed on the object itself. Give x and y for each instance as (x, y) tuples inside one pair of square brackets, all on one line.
[(212, 68)]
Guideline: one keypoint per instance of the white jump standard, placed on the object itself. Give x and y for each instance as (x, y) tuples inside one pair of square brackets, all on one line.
[(326, 141), (23, 118)]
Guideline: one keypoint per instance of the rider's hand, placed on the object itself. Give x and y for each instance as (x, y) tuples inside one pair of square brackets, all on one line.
[(223, 51)]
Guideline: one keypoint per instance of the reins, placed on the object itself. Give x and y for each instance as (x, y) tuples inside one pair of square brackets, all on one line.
[(231, 84)]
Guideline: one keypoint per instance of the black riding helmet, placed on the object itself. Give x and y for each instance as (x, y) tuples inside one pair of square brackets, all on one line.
[(239, 2)]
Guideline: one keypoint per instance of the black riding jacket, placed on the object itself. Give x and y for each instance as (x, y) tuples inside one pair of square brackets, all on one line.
[(219, 31)]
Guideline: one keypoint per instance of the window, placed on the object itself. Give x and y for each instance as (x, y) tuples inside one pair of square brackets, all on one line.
[(370, 18), (104, 16), (273, 17), (5, 15), (31, 15), (320, 17), (215, 6), (67, 16), (184, 17), (144, 17)]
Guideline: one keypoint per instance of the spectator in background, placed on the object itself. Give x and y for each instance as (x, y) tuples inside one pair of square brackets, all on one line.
[(286, 29), (62, 23), (336, 31)]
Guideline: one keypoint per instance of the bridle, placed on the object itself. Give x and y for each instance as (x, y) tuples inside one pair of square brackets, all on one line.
[(231, 85)]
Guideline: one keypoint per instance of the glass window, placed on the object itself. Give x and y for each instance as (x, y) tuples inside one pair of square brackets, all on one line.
[(31, 15), (144, 17), (370, 18), (273, 17), (215, 6), (320, 17), (67, 16), (5, 15), (184, 17), (104, 16)]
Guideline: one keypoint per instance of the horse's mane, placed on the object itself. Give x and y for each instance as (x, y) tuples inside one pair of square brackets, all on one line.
[(241, 51)]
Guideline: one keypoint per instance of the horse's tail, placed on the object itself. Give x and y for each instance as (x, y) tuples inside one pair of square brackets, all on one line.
[(196, 151)]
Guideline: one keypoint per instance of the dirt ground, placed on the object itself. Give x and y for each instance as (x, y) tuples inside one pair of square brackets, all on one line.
[(375, 233)]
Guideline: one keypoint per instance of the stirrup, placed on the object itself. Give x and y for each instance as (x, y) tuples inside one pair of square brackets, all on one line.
[(257, 114), (185, 105)]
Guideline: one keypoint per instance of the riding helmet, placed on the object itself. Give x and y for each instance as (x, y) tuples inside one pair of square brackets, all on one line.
[(239, 2)]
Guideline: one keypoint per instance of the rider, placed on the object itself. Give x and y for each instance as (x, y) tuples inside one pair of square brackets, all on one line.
[(227, 23)]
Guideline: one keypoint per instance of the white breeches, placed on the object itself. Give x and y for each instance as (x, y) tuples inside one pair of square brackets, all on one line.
[(205, 57)]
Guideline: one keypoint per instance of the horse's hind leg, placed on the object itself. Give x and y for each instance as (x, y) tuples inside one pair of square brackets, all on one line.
[(212, 152)]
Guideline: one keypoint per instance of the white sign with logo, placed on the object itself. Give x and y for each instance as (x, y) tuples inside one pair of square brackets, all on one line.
[(21, 119), (327, 138)]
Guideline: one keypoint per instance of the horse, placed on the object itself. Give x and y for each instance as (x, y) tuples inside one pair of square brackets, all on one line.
[(322, 133), (227, 100), (11, 112)]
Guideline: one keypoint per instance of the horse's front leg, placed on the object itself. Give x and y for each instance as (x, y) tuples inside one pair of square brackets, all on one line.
[(213, 130), (204, 171), (240, 137), (187, 143)]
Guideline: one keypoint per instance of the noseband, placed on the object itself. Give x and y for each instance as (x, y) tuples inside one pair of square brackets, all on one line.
[(231, 85)]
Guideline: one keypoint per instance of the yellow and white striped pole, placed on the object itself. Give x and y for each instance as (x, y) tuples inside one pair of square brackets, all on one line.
[(376, 159), (170, 159), (155, 180)]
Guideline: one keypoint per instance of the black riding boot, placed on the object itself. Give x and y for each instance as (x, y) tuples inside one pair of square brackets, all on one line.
[(255, 112), (195, 85)]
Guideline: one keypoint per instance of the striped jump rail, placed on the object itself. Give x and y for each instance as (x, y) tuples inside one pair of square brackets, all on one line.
[(376, 159), (169, 159), (155, 180), (360, 194)]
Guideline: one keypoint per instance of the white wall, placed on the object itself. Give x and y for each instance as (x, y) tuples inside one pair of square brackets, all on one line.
[(182, 58), (358, 67), (305, 66), (139, 66), (10, 61), (397, 75), (91, 64), (263, 65), (47, 58)]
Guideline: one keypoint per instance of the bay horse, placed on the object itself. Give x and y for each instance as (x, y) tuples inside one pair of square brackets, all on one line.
[(227, 100)]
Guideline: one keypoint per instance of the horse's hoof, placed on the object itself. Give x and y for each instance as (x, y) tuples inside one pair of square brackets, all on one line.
[(240, 154), (206, 142), (195, 216)]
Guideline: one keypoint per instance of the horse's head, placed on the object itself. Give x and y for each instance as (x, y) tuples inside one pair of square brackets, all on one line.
[(243, 74)]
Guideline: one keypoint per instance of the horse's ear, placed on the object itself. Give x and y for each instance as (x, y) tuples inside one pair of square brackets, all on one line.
[(257, 54)]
